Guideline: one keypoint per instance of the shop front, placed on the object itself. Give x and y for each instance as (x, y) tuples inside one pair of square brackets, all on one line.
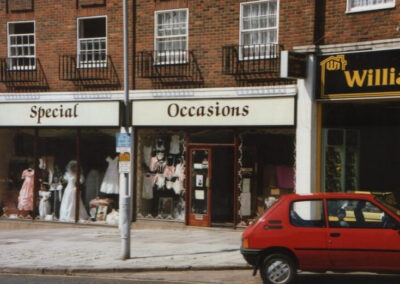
[(359, 121), (212, 162), (59, 161)]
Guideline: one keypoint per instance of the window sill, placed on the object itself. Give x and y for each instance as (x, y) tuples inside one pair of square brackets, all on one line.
[(257, 58), (371, 8), (170, 63)]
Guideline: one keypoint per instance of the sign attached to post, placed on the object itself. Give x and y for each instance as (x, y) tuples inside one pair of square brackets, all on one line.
[(359, 74), (123, 142), (68, 114), (293, 65), (274, 111), (124, 163)]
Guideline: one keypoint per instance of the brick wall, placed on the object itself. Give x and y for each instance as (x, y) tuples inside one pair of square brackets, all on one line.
[(342, 27), (215, 23), (56, 34)]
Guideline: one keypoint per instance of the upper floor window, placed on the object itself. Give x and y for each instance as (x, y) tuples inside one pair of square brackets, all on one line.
[(21, 45), (258, 28), (171, 36), (365, 5), (92, 42)]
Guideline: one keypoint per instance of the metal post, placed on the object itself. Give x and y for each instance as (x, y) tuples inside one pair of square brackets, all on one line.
[(125, 196)]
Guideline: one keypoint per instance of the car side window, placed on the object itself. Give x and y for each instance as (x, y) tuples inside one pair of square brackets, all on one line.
[(307, 213), (357, 213)]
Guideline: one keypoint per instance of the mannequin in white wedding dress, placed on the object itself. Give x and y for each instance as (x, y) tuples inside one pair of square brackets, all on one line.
[(68, 203)]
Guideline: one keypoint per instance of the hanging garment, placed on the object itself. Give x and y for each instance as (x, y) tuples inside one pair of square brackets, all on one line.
[(153, 164), (160, 145), (169, 172), (180, 172), (147, 155), (285, 177), (159, 180), (92, 185), (110, 184), (177, 187), (147, 188), (44, 204), (68, 203), (175, 145), (25, 198)]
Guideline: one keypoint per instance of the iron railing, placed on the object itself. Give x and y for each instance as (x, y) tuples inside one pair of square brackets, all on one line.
[(22, 73), (169, 67), (99, 72), (251, 59)]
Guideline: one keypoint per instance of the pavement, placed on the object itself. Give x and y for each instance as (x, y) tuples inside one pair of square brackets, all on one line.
[(66, 250), (194, 277)]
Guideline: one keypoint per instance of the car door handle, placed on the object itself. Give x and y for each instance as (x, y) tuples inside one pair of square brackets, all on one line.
[(334, 235)]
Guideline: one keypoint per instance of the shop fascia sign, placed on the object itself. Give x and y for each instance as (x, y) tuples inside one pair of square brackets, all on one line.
[(42, 114), (361, 74), (273, 111), (293, 65)]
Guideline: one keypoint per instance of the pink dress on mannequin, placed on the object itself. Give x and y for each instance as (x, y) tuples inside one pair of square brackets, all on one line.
[(25, 198)]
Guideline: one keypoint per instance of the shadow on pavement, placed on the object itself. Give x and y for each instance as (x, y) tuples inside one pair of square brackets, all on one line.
[(347, 279)]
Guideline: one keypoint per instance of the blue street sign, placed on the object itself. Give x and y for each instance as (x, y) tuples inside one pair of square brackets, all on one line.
[(123, 142)]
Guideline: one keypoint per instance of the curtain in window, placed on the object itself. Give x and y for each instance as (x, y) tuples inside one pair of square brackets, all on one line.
[(259, 25), (171, 36)]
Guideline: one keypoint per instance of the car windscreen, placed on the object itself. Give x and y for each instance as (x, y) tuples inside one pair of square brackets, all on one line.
[(388, 206)]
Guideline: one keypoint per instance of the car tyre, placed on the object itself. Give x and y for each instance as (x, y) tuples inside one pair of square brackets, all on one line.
[(278, 269)]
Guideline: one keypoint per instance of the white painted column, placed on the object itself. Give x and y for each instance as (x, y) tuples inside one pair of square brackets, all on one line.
[(306, 131)]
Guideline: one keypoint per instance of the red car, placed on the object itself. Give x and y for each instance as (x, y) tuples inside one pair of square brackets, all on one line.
[(320, 232)]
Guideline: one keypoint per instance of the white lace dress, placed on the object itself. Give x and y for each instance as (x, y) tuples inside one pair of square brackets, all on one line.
[(110, 184), (68, 203)]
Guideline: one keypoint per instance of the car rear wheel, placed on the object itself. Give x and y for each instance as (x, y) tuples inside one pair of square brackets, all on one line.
[(278, 269)]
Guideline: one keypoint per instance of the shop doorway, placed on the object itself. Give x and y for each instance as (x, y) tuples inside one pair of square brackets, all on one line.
[(211, 183), (222, 186)]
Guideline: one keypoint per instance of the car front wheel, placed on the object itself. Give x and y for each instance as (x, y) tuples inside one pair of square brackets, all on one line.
[(278, 269)]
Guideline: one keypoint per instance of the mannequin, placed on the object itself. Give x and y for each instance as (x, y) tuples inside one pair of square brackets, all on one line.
[(25, 198), (56, 188), (44, 204), (68, 203), (110, 184), (47, 163)]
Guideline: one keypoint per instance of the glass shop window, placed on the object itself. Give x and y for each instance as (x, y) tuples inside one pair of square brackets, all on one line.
[(100, 190), (59, 170), (161, 175), (17, 174)]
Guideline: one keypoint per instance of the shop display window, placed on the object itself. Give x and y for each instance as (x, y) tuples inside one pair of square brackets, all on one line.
[(160, 175), (68, 175), (266, 170), (17, 173)]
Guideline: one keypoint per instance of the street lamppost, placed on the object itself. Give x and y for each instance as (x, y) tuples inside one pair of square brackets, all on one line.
[(125, 195)]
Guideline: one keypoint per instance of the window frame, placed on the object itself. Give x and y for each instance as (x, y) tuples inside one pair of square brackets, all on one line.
[(89, 64), (156, 37), (376, 204), (23, 67), (323, 213), (242, 4), (350, 10)]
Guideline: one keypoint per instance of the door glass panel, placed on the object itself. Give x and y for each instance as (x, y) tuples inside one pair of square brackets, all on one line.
[(357, 214), (200, 181)]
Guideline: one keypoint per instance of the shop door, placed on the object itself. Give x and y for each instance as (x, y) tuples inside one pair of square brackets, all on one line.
[(200, 190)]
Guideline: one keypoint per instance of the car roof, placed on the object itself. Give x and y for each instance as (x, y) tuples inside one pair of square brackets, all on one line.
[(343, 195)]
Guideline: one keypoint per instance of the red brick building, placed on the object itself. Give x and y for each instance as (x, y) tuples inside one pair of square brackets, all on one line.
[(219, 133), (58, 36)]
